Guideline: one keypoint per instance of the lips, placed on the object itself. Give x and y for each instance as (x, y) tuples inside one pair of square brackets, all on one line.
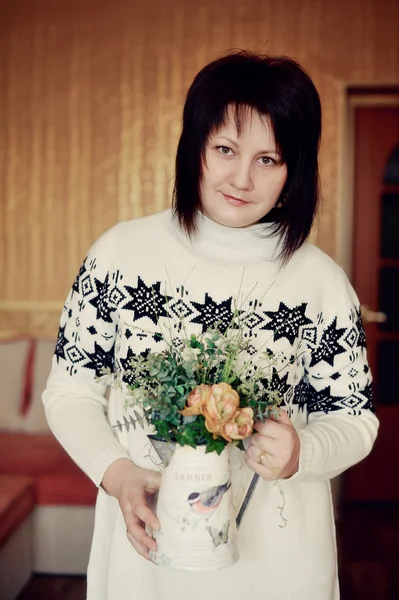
[(235, 201)]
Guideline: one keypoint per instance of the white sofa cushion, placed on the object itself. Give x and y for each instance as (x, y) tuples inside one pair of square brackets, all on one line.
[(35, 420), (13, 364)]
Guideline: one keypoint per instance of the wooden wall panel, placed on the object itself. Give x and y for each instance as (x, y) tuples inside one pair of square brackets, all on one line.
[(91, 93)]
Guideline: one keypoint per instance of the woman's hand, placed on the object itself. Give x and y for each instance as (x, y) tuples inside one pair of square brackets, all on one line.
[(274, 450), (131, 485)]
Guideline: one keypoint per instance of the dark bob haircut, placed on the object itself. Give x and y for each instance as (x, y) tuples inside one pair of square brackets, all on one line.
[(274, 86)]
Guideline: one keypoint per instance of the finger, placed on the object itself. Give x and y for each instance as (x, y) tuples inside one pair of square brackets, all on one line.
[(267, 455), (255, 452), (136, 505), (269, 428), (254, 442), (150, 491), (248, 441), (137, 530), (261, 469), (283, 417), (153, 483), (145, 514), (265, 459), (139, 547)]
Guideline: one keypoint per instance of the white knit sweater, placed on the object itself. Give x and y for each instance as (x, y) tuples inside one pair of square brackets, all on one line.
[(306, 308)]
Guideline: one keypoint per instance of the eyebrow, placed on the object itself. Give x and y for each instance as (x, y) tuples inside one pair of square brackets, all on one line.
[(235, 144)]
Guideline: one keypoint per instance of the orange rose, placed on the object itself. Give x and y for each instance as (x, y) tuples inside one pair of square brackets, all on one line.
[(195, 400), (219, 406), (240, 426)]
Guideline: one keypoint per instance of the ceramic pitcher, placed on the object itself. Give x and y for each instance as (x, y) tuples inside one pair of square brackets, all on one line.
[(195, 509)]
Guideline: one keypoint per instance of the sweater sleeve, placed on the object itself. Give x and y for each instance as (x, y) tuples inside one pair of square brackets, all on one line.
[(336, 392), (74, 399)]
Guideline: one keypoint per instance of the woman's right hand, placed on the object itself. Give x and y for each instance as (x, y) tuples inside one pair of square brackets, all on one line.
[(131, 485)]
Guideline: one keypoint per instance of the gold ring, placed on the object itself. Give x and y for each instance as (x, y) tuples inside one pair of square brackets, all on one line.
[(260, 461)]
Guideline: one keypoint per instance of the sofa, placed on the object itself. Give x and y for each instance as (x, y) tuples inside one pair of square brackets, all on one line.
[(46, 502)]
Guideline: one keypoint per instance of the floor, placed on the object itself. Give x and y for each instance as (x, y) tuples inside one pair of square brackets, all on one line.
[(54, 588), (368, 542)]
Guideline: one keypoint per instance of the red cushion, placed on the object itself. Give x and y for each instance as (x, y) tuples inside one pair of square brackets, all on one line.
[(65, 489), (17, 499), (58, 480), (33, 454)]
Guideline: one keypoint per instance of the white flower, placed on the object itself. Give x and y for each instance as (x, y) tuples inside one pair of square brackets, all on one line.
[(190, 354)]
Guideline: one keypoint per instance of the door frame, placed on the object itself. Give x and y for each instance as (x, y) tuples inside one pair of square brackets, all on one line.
[(351, 97), (355, 486)]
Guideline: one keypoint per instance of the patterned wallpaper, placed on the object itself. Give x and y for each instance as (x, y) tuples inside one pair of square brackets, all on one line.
[(91, 93)]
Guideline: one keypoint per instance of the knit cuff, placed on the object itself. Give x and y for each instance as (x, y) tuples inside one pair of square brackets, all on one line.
[(104, 459)]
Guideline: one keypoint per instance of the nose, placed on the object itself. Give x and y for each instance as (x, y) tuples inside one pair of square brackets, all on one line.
[(241, 175)]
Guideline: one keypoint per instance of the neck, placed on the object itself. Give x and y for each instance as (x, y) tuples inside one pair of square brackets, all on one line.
[(219, 243)]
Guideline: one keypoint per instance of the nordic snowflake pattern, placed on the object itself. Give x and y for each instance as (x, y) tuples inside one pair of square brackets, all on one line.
[(90, 344)]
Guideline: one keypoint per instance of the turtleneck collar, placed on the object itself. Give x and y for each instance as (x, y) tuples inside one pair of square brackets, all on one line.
[(219, 243)]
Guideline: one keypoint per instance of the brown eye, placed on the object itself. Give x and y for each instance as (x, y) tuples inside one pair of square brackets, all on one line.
[(223, 150), (267, 161)]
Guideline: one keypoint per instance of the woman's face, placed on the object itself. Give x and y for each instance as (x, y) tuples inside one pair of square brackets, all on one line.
[(243, 175)]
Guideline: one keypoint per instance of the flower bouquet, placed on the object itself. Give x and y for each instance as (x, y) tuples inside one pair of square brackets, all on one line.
[(204, 389), (200, 395)]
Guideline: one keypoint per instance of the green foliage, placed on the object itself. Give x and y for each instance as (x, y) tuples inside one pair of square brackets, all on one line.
[(162, 381), (130, 421)]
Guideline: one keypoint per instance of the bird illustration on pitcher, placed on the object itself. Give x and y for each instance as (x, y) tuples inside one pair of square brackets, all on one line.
[(206, 502)]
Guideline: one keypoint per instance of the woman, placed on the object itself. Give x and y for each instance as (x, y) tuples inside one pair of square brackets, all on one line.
[(245, 196)]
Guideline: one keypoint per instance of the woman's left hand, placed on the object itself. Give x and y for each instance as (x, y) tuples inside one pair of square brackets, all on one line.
[(274, 450)]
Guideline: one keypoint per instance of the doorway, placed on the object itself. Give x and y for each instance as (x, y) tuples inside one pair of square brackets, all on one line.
[(373, 261)]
